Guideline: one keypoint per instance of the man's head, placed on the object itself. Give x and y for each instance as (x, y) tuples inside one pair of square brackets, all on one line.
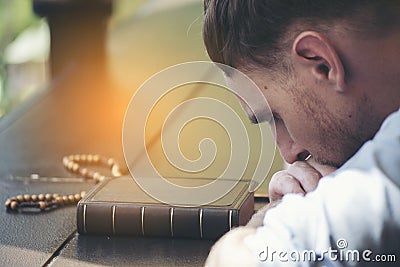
[(329, 69)]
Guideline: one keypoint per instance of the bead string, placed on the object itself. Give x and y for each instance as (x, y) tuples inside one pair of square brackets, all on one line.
[(72, 164)]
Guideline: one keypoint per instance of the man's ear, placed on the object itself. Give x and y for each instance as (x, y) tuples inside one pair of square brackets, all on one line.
[(313, 52)]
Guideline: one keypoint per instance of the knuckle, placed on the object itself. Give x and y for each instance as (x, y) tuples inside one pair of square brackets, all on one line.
[(314, 176), (280, 173), (272, 192), (293, 190), (303, 172), (278, 176)]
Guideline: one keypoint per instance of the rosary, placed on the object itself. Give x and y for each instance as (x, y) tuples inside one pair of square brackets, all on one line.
[(72, 164)]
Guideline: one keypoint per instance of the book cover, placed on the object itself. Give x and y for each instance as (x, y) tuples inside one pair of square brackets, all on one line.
[(120, 207)]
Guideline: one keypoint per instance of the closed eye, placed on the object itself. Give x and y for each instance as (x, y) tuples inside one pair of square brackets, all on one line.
[(276, 117), (253, 119)]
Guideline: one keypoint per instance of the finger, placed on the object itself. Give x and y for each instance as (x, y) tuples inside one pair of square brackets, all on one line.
[(305, 174), (283, 183)]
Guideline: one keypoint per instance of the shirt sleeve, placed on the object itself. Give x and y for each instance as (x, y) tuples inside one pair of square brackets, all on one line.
[(348, 219)]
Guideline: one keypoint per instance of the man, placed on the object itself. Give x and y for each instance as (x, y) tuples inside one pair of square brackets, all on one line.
[(331, 74)]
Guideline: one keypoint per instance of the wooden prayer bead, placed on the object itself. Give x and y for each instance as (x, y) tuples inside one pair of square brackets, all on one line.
[(20, 198), (42, 205), (110, 162), (59, 200), (116, 170), (84, 172), (75, 167), (77, 197), (13, 205), (70, 165), (96, 158)]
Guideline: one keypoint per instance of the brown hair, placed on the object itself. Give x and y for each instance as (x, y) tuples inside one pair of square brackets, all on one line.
[(252, 32)]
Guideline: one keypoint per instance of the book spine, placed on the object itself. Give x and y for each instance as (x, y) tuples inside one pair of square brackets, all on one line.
[(246, 210), (156, 221)]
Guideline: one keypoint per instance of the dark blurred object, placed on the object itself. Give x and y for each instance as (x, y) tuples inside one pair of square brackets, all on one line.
[(78, 34)]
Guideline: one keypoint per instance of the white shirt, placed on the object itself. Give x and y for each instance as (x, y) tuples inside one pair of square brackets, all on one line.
[(355, 211)]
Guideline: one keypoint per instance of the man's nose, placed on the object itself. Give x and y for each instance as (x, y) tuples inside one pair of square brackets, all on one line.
[(293, 152), (289, 149)]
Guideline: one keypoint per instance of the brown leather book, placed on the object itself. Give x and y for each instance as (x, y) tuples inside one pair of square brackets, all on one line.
[(120, 207)]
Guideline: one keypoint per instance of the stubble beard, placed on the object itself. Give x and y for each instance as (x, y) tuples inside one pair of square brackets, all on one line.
[(345, 137), (338, 137)]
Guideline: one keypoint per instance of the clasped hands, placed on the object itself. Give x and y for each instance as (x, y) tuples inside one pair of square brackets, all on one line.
[(301, 177)]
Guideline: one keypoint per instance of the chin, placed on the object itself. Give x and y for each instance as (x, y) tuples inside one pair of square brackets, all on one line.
[(339, 160), (339, 154)]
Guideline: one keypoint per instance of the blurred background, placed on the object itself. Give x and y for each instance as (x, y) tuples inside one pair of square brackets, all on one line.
[(24, 51), (113, 46)]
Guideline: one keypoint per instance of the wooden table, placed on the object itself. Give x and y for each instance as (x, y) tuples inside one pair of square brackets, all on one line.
[(72, 116)]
